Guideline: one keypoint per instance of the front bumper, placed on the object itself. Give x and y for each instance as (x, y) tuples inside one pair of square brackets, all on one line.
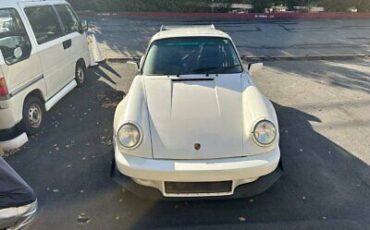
[(246, 190), (11, 133), (146, 177)]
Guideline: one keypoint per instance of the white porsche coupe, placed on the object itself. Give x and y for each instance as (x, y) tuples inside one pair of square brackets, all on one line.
[(193, 123)]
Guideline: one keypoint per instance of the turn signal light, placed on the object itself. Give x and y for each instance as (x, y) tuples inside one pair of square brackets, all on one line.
[(3, 88)]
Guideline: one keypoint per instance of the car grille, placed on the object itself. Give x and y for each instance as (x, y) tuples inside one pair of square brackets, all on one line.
[(198, 187)]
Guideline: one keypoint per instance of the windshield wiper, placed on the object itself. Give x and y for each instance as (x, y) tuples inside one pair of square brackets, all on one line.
[(205, 70), (215, 70)]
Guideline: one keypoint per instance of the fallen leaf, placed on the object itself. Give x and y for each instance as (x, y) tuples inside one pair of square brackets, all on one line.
[(242, 219), (83, 218)]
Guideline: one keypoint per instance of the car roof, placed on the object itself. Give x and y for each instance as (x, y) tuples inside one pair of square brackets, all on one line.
[(189, 31)]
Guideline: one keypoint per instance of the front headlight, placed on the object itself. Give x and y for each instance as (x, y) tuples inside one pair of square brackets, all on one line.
[(129, 136), (264, 133)]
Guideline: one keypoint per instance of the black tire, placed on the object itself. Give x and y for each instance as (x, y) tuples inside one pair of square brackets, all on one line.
[(80, 73), (33, 115)]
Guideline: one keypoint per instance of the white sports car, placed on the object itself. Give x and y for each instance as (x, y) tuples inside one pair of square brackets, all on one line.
[(193, 123)]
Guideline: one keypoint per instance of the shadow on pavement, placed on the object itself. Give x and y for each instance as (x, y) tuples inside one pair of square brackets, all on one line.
[(323, 186), (353, 75), (68, 165)]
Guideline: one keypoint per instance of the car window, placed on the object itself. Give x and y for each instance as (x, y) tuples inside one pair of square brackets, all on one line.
[(14, 42), (184, 56), (44, 23), (70, 21)]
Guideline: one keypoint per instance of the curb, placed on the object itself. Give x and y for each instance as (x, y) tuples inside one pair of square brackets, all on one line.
[(231, 16), (270, 58), (304, 58)]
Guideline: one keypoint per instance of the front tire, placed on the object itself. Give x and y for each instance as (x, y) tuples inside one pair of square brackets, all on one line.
[(33, 115), (80, 73)]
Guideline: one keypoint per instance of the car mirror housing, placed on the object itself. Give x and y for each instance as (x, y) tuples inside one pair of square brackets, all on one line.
[(2, 60), (255, 67), (84, 26), (134, 62)]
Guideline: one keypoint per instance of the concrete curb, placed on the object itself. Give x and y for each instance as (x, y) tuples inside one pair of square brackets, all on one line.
[(230, 16), (305, 58), (271, 58)]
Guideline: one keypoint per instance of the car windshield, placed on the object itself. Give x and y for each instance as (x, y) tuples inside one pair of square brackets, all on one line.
[(185, 56)]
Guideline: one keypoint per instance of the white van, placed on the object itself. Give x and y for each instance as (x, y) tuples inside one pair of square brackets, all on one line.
[(43, 56)]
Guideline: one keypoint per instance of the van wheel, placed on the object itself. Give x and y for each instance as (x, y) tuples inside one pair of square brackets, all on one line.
[(33, 115), (80, 73)]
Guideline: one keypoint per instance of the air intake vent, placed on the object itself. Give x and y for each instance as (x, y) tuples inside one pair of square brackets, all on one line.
[(198, 187)]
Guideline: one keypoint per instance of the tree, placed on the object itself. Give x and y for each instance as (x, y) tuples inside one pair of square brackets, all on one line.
[(261, 5)]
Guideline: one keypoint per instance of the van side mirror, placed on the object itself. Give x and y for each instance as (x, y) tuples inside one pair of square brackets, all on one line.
[(2, 60), (255, 67), (84, 26)]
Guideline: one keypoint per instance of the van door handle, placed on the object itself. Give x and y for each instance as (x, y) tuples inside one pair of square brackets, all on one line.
[(67, 44)]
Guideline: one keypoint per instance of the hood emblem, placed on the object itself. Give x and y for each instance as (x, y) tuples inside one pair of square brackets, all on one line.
[(197, 146)]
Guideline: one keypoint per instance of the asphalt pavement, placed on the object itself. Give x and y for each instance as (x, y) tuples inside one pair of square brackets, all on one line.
[(126, 37), (322, 108)]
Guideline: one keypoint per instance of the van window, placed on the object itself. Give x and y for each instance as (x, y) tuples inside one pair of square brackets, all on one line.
[(14, 42), (44, 22), (70, 21)]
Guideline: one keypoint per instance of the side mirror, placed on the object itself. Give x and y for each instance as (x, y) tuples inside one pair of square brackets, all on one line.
[(2, 61), (139, 64), (134, 62), (84, 26), (253, 68)]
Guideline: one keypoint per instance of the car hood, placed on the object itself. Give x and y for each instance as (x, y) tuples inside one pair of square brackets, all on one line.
[(195, 117)]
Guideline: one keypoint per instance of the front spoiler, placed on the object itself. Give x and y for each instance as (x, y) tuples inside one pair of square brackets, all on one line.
[(242, 191)]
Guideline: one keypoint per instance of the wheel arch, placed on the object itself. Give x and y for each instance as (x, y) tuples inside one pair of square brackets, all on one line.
[(81, 61), (34, 93)]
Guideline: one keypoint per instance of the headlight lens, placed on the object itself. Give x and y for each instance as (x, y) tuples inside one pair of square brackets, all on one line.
[(129, 136), (265, 132)]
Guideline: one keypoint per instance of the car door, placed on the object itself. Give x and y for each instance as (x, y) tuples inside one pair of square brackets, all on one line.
[(49, 37), (75, 41)]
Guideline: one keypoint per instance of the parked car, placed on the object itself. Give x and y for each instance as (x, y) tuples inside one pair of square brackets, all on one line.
[(18, 202), (43, 56), (193, 123)]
